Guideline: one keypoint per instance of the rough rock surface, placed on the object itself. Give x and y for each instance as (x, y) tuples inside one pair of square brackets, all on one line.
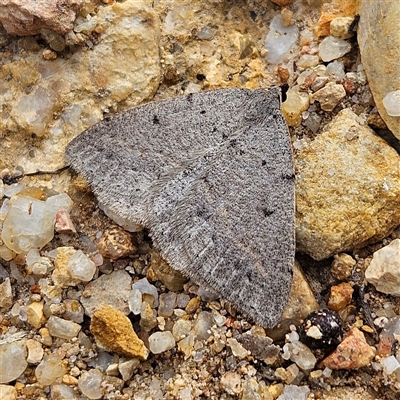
[(64, 273), (28, 17), (103, 291), (115, 332), (115, 243), (120, 70), (329, 96), (352, 353), (384, 270), (340, 296), (380, 56), (8, 392), (332, 216)]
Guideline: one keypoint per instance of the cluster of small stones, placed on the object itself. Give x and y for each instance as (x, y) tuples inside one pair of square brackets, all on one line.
[(99, 314), (151, 332)]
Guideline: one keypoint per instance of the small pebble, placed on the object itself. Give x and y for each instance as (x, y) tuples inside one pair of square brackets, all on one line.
[(340, 296), (35, 351), (340, 27), (237, 349), (342, 266), (61, 392), (391, 102), (280, 39), (34, 314), (352, 353), (384, 269), (90, 383), (205, 33), (300, 354), (128, 367), (116, 243), (145, 287), (251, 390), (202, 325), (329, 96), (321, 329), (182, 300), (181, 329), (292, 108), (193, 305), (231, 383), (8, 392), (332, 48), (167, 303), (12, 361), (6, 296), (115, 332), (148, 317), (62, 328), (161, 341), (291, 392), (49, 369), (389, 364), (101, 291), (63, 222)]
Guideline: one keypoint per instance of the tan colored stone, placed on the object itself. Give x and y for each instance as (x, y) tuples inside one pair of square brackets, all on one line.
[(171, 278), (301, 302), (340, 296), (61, 277), (347, 393), (35, 351), (339, 27), (46, 338), (28, 17), (114, 331), (115, 243), (384, 269), (331, 10), (342, 266), (70, 94), (34, 314), (6, 296), (329, 96), (352, 353), (292, 108), (148, 317), (112, 290), (231, 383), (380, 56), (275, 390), (8, 392), (193, 305), (347, 189)]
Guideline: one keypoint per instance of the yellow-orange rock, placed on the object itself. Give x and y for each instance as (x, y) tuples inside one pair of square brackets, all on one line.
[(340, 296), (332, 9), (113, 330), (347, 189)]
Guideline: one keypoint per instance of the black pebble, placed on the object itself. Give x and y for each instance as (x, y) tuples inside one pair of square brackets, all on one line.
[(328, 323)]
